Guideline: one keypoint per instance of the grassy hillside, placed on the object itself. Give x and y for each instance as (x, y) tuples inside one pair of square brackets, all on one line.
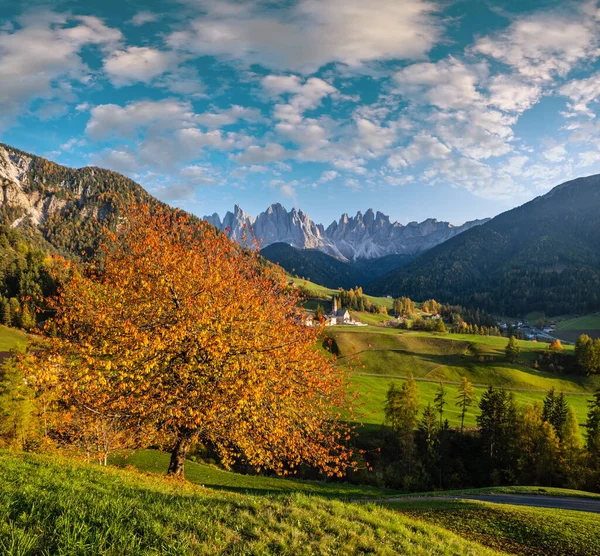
[(388, 354), (372, 394), (571, 329), (516, 529), (11, 338), (326, 293), (54, 506), (153, 461)]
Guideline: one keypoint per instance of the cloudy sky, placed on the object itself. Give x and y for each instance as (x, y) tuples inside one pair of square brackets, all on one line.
[(456, 110)]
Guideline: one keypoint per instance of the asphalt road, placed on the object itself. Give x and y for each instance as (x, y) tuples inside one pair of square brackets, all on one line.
[(558, 502)]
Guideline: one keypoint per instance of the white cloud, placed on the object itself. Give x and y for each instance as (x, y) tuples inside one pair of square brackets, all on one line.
[(229, 116), (447, 84), (582, 92), (183, 81), (143, 17), (422, 147), (42, 58), (304, 96), (312, 33), (543, 45), (194, 139), (112, 120), (555, 154), (514, 165), (327, 175), (477, 177), (197, 175), (120, 160), (374, 137), (512, 95), (137, 64), (287, 190), (254, 154), (588, 158)]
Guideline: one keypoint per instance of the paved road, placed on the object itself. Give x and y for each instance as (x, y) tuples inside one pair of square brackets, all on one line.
[(558, 502)]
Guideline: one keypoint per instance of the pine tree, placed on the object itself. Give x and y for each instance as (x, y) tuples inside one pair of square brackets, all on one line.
[(556, 409), (5, 314), (439, 402), (465, 399), (593, 426)]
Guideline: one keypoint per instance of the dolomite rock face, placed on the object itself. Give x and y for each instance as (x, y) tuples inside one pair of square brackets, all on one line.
[(367, 236)]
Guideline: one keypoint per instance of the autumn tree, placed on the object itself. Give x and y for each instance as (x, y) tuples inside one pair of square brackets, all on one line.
[(181, 332), (464, 399)]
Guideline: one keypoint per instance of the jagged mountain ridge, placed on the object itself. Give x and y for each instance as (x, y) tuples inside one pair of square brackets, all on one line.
[(368, 236)]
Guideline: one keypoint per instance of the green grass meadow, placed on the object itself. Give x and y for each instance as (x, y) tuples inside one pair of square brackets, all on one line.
[(153, 461), (51, 506), (382, 355), (11, 338), (513, 529)]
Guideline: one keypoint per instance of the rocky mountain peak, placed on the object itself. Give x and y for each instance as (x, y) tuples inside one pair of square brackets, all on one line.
[(364, 236)]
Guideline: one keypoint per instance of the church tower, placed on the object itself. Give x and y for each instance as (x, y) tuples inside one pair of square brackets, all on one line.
[(334, 306)]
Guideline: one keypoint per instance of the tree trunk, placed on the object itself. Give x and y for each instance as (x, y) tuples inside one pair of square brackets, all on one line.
[(177, 464)]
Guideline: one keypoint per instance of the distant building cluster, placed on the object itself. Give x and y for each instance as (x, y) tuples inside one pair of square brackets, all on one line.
[(336, 317)]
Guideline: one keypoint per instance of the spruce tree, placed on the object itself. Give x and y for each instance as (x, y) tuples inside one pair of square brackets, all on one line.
[(439, 402), (465, 399)]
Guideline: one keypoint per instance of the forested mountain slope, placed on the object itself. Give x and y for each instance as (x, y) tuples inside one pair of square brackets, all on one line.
[(541, 256), (65, 206), (328, 271)]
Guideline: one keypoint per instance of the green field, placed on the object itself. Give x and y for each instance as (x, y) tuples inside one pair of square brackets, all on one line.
[(570, 329), (49, 505), (153, 461), (372, 394), (587, 322), (516, 529), (11, 338), (384, 354)]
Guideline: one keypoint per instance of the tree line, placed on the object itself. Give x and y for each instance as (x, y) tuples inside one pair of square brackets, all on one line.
[(539, 444)]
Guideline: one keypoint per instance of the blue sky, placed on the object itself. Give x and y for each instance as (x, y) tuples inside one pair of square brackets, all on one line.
[(454, 110)]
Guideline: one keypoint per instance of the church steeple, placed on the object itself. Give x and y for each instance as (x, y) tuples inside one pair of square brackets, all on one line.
[(334, 306)]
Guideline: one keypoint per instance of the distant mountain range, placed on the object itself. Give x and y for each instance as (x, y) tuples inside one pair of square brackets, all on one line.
[(368, 236), (543, 256)]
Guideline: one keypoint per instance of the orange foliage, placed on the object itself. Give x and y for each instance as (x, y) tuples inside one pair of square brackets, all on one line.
[(180, 330)]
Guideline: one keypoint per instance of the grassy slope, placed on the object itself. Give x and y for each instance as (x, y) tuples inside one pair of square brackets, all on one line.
[(54, 506), (326, 293), (386, 354), (516, 529), (153, 461), (589, 322), (372, 392), (11, 338)]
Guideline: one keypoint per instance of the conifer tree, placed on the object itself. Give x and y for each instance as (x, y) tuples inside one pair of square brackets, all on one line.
[(440, 401), (464, 399)]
